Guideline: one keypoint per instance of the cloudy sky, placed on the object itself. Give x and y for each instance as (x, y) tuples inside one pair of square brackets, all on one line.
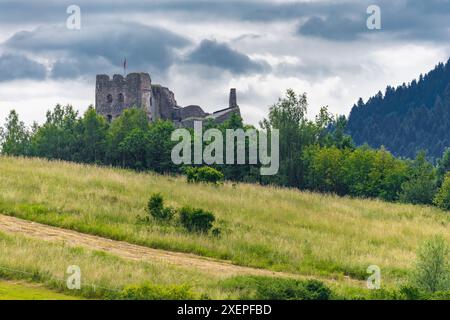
[(200, 49)]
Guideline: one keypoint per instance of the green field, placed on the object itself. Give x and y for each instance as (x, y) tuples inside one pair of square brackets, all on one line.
[(25, 291), (265, 227), (102, 274)]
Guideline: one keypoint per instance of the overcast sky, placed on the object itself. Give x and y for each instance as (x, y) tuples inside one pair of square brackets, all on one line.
[(200, 49)]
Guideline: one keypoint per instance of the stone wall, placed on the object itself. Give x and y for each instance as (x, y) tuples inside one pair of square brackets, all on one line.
[(164, 103), (112, 97)]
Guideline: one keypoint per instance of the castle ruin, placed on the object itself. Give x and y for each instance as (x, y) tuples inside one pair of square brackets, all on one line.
[(113, 96)]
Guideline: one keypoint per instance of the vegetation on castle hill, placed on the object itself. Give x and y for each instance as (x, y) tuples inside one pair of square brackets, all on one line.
[(262, 226), (336, 233), (315, 155)]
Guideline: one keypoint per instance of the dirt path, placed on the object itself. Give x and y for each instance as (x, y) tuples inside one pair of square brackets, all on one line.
[(125, 250), (134, 252)]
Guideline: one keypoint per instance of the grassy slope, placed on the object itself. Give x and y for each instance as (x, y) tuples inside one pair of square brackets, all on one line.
[(25, 291), (265, 227), (102, 274)]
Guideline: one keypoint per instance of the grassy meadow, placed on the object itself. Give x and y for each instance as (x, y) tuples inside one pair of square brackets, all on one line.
[(102, 274), (265, 227), (26, 291)]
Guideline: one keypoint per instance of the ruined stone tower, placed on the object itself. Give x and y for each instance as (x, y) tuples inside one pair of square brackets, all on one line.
[(233, 99), (112, 97)]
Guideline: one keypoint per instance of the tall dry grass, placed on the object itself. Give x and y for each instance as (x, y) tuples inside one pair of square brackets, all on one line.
[(273, 228), (102, 274)]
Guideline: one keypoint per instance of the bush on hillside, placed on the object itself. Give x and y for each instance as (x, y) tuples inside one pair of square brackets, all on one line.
[(408, 292), (442, 199), (191, 174), (269, 288), (216, 232), (196, 220), (421, 185), (432, 272), (156, 209), (150, 291), (204, 174)]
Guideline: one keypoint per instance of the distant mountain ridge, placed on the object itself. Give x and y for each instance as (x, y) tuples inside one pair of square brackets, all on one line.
[(409, 118)]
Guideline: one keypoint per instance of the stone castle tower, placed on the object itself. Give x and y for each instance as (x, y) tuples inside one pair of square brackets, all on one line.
[(113, 96)]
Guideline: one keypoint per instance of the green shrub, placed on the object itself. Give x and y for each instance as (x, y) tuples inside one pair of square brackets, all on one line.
[(432, 272), (210, 175), (191, 174), (411, 293), (442, 199), (156, 209), (408, 292), (440, 295), (268, 288), (150, 291), (382, 294), (196, 220), (421, 185), (288, 289), (216, 232), (203, 174)]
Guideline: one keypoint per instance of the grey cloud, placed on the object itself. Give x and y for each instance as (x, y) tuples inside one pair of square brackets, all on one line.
[(82, 66), (214, 54), (403, 20), (333, 28), (410, 19), (315, 70), (16, 66), (53, 11), (22, 11), (417, 20), (101, 46)]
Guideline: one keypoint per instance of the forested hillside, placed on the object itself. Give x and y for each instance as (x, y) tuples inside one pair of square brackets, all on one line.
[(409, 118)]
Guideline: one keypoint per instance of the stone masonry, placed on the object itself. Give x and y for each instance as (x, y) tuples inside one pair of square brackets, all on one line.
[(113, 96)]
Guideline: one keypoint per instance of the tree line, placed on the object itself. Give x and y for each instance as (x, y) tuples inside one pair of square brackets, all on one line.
[(408, 118), (316, 155)]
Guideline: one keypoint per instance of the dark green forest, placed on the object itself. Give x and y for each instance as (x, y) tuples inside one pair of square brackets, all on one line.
[(407, 119), (315, 155)]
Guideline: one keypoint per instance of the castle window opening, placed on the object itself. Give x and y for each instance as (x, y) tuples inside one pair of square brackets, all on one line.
[(109, 98), (120, 97)]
